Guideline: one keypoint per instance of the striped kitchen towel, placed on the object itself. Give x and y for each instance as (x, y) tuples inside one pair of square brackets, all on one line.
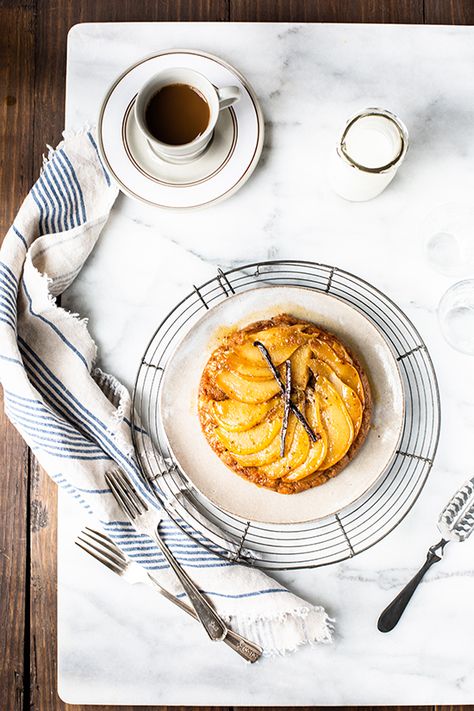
[(76, 418)]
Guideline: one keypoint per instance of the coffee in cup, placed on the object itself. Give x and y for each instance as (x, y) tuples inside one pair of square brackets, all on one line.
[(177, 111)]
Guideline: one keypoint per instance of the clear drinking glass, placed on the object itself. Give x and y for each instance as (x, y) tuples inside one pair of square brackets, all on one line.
[(456, 316), (448, 233)]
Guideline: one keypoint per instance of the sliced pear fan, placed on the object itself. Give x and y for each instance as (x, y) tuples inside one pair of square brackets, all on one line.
[(300, 367), (343, 369), (317, 450), (251, 391), (252, 440), (336, 420), (295, 455), (270, 454), (349, 397), (238, 416), (280, 342), (248, 369)]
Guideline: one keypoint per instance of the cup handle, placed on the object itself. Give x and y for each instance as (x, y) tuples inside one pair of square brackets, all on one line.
[(227, 96)]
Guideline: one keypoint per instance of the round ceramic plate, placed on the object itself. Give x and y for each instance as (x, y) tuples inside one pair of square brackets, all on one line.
[(224, 167), (204, 469)]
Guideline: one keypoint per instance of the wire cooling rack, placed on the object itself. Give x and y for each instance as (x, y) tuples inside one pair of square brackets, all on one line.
[(336, 537)]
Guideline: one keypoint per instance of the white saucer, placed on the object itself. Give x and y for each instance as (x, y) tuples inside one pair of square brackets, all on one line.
[(224, 488), (227, 163)]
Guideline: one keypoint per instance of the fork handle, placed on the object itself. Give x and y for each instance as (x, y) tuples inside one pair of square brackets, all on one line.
[(392, 613), (250, 651), (212, 623)]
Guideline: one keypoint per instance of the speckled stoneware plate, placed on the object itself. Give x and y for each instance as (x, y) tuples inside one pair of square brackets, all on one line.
[(224, 167), (204, 469)]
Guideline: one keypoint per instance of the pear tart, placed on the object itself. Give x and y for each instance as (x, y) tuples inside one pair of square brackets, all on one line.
[(249, 421)]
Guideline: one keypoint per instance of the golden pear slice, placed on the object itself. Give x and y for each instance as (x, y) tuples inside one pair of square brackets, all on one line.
[(300, 367), (238, 416), (239, 388), (317, 450), (248, 369), (296, 454), (253, 440), (271, 453), (343, 369), (280, 342), (340, 351), (349, 397), (337, 422), (266, 456)]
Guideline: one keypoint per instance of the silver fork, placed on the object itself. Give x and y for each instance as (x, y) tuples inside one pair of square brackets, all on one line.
[(105, 551), (147, 521)]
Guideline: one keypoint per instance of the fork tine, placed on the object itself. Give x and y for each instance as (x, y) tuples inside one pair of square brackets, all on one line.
[(131, 491), (125, 491), (98, 556), (100, 537), (104, 547), (119, 564), (122, 501)]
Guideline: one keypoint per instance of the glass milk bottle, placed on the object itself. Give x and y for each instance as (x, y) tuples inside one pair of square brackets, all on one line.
[(370, 151)]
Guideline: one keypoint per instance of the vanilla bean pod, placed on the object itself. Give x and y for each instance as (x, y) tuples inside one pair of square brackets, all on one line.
[(314, 437)]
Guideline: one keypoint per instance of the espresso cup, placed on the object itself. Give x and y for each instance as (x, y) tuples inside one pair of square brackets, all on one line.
[(216, 99)]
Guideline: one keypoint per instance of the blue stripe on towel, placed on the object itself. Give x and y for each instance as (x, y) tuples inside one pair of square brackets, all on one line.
[(47, 228), (52, 389), (64, 156), (92, 491), (94, 144), (72, 186), (8, 293), (44, 432), (256, 593), (61, 443), (59, 195), (45, 421), (56, 203), (20, 236), (9, 323), (54, 327), (68, 191), (41, 183), (5, 304), (44, 411), (9, 274), (11, 360), (33, 191), (62, 481)]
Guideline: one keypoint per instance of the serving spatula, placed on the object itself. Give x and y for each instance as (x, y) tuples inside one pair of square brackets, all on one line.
[(455, 523)]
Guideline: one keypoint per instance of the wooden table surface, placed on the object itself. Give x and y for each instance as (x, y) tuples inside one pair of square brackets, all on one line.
[(32, 83)]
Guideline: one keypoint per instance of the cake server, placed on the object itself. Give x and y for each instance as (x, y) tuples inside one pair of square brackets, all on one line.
[(455, 523)]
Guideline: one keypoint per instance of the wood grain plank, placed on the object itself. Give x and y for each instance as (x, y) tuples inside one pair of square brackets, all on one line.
[(50, 60), (398, 11), (16, 109), (13, 563), (449, 12), (16, 120), (43, 589)]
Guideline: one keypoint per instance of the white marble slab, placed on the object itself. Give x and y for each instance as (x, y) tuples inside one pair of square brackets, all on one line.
[(122, 645)]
